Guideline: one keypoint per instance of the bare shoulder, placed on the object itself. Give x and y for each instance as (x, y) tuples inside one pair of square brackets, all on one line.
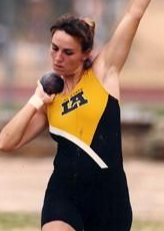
[(108, 77)]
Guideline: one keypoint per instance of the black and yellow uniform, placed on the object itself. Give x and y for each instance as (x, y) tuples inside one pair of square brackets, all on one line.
[(88, 187)]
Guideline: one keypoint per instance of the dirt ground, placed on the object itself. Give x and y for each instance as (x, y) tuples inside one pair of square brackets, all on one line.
[(23, 181)]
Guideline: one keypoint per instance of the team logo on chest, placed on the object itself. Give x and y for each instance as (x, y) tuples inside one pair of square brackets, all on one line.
[(74, 102)]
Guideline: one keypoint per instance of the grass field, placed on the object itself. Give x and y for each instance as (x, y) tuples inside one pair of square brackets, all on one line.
[(31, 222), (18, 222)]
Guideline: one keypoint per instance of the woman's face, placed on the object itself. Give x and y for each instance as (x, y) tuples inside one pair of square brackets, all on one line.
[(66, 53)]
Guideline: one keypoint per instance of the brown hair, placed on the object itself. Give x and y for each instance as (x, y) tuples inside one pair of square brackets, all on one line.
[(81, 28)]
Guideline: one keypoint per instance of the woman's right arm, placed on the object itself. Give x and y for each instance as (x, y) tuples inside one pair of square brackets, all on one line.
[(25, 125)]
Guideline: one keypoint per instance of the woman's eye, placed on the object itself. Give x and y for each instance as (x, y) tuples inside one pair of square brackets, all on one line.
[(55, 48), (68, 52)]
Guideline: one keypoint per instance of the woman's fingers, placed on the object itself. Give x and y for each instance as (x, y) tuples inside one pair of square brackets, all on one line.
[(43, 95)]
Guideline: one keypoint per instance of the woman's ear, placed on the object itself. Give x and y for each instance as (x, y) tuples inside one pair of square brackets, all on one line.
[(86, 54), (87, 59)]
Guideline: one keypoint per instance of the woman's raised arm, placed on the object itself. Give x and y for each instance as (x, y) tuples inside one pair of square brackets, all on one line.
[(114, 54)]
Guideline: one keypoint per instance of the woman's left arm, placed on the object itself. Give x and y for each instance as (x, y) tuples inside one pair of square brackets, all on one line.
[(114, 54)]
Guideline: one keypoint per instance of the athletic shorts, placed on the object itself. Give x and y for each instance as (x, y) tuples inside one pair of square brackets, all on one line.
[(93, 201)]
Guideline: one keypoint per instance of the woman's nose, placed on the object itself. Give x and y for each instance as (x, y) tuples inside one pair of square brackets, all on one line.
[(59, 56)]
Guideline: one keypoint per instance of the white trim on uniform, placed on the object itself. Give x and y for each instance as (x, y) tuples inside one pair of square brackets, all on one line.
[(80, 143)]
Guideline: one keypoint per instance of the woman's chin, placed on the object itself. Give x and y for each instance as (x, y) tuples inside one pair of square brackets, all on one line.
[(59, 72)]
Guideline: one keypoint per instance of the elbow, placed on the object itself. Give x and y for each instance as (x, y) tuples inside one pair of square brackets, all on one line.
[(136, 14), (6, 149), (4, 146)]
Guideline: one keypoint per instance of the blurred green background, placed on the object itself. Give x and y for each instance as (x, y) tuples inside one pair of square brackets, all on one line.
[(24, 57)]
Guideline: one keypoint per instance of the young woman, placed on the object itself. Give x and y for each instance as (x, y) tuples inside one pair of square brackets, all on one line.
[(87, 189)]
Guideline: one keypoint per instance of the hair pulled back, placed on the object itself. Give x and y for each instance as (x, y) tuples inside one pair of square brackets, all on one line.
[(81, 28)]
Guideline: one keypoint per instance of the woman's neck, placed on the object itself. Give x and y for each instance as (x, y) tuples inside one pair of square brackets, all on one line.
[(70, 81)]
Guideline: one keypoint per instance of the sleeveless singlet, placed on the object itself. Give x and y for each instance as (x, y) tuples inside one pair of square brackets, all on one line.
[(87, 120), (88, 188)]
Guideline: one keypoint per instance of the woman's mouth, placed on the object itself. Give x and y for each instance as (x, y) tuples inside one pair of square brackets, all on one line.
[(58, 66)]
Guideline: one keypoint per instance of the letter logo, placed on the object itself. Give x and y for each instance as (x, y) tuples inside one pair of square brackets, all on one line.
[(74, 102)]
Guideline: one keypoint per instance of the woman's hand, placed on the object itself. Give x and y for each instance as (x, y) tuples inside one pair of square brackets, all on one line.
[(43, 95), (40, 97)]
